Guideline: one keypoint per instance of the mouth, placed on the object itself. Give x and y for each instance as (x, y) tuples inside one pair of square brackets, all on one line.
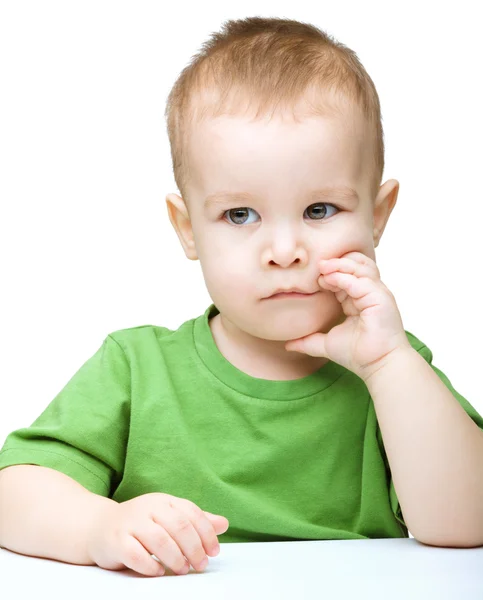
[(287, 295)]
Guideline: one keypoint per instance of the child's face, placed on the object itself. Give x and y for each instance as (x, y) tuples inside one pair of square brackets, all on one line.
[(276, 238)]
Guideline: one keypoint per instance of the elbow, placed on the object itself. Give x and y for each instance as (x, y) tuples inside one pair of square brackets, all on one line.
[(449, 540), (447, 531)]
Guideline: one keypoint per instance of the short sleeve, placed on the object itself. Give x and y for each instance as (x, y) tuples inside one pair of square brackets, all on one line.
[(83, 432), (426, 353), (475, 416)]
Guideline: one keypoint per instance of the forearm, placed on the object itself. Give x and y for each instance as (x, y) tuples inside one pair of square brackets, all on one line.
[(47, 514), (434, 449)]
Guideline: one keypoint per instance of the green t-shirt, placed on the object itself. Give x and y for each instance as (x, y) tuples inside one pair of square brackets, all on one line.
[(160, 410)]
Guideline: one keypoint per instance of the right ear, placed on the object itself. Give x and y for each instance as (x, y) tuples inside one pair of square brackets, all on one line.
[(180, 220)]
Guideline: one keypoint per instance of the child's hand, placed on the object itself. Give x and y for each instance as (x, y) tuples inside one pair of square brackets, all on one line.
[(373, 327), (171, 528)]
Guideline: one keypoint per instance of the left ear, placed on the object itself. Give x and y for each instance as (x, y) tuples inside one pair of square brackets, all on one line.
[(383, 205)]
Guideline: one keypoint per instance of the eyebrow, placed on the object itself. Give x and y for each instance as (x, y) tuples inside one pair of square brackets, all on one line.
[(342, 192)]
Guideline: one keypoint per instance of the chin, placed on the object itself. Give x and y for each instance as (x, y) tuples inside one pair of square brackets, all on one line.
[(292, 327)]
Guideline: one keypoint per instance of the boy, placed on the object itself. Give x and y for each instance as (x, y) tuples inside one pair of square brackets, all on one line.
[(294, 415)]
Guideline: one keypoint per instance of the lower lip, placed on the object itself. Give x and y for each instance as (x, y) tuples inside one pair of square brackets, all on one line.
[(291, 295)]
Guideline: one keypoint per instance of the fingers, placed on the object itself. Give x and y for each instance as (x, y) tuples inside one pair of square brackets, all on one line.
[(182, 532), (135, 557), (350, 266), (154, 531), (204, 527), (219, 522), (334, 274), (159, 543)]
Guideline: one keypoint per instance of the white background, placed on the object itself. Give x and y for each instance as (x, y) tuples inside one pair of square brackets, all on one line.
[(86, 243)]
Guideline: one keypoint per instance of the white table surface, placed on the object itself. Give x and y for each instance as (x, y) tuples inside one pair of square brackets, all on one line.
[(330, 569)]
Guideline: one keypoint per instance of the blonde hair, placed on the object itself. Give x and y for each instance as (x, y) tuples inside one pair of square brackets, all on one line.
[(271, 62)]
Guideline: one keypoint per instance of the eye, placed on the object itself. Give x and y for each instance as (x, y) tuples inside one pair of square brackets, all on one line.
[(238, 213)]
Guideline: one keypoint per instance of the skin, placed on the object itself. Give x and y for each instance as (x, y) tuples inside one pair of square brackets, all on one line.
[(278, 237)]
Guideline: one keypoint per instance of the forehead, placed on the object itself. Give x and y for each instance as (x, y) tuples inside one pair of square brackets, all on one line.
[(240, 152)]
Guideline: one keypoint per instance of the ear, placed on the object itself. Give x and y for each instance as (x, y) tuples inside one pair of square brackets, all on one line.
[(180, 220), (384, 203)]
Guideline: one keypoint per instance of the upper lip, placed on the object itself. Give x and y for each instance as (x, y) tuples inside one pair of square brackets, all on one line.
[(288, 290)]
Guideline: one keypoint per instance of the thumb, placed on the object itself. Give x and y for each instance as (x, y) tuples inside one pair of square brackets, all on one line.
[(313, 345), (219, 522)]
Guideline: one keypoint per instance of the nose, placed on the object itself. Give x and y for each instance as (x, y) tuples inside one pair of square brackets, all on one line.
[(288, 254), (285, 263)]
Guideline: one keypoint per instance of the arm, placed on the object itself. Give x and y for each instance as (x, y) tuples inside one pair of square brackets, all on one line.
[(47, 514), (434, 449)]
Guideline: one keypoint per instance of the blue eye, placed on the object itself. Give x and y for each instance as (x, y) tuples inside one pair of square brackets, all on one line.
[(237, 213)]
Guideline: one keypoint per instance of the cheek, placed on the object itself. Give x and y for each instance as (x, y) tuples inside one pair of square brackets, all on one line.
[(356, 241), (227, 272)]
